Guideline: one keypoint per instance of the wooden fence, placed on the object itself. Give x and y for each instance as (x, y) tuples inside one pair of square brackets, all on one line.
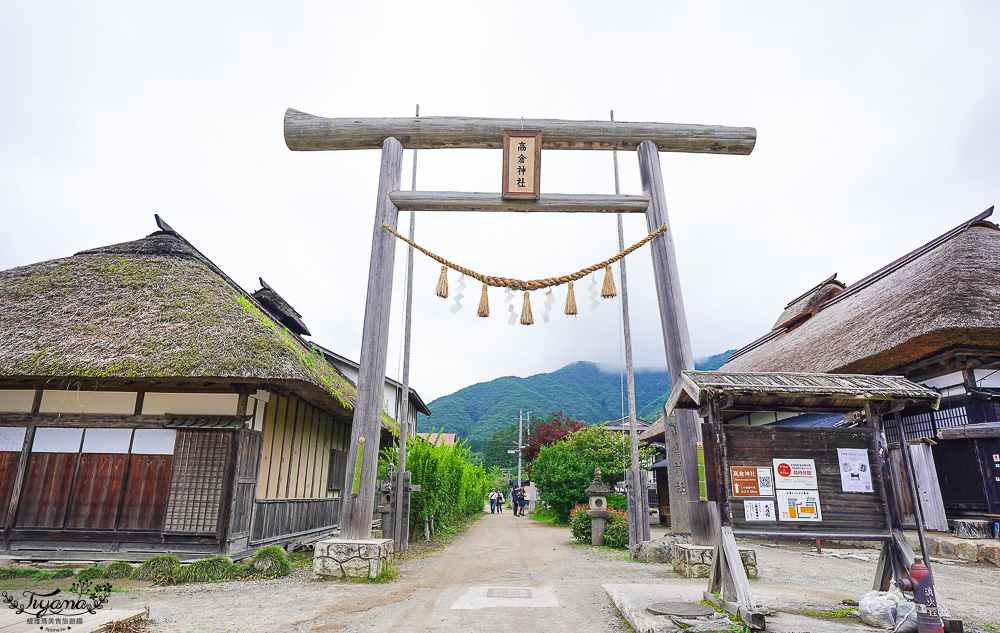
[(275, 519)]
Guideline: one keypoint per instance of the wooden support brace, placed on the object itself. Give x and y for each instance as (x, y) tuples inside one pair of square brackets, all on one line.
[(493, 202), (729, 579)]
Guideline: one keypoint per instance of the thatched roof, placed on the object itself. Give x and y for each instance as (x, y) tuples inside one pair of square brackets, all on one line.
[(154, 309), (280, 309), (747, 391), (942, 295), (656, 431)]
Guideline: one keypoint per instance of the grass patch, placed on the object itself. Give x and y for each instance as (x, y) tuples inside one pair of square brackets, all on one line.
[(547, 516), (89, 573), (214, 569), (301, 559), (833, 614), (387, 575), (118, 570), (9, 573), (155, 566), (269, 562)]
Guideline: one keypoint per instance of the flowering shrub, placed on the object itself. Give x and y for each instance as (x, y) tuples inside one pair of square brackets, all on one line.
[(615, 527)]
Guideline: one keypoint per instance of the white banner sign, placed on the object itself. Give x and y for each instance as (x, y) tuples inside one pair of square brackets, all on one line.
[(795, 474), (855, 470)]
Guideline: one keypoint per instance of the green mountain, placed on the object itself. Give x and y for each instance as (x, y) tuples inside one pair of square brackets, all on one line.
[(581, 389)]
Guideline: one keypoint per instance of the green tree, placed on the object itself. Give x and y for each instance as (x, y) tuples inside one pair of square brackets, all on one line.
[(496, 454), (564, 470)]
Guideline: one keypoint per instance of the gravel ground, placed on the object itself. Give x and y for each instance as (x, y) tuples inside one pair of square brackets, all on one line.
[(504, 551)]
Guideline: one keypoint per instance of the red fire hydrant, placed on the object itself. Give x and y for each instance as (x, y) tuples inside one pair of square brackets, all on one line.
[(928, 618)]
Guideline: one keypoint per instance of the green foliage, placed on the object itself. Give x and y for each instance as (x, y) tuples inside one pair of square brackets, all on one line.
[(547, 516), (452, 485), (495, 454), (565, 469), (65, 572), (617, 502), (579, 524), (616, 529), (118, 570), (89, 573), (214, 569), (270, 562), (152, 568), (580, 389), (10, 573)]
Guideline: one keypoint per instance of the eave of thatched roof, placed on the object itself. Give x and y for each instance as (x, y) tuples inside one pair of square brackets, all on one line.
[(763, 391), (942, 295), (151, 309), (656, 431)]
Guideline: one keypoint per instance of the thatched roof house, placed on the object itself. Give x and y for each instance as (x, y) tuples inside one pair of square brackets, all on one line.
[(932, 316), (149, 405), (941, 296)]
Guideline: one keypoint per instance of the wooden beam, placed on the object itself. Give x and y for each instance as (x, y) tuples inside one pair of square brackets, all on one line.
[(357, 509), (982, 431), (492, 202), (307, 132)]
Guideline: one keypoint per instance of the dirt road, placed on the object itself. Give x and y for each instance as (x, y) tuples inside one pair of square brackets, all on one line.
[(448, 591)]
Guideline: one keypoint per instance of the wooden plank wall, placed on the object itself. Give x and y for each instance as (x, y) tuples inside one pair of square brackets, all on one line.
[(295, 456), (147, 486), (46, 491), (8, 473), (275, 519), (842, 512)]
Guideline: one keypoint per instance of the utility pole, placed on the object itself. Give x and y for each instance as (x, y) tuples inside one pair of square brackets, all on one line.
[(520, 443), (635, 476)]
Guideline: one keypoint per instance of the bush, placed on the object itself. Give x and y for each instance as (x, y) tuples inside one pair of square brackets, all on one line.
[(212, 569), (89, 573), (155, 566), (616, 530), (579, 524), (617, 502), (118, 570), (270, 562), (9, 573), (452, 486), (565, 469)]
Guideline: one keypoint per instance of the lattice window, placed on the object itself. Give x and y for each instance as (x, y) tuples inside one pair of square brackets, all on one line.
[(923, 425), (198, 482)]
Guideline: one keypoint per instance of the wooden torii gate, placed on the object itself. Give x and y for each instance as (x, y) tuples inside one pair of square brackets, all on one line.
[(306, 132)]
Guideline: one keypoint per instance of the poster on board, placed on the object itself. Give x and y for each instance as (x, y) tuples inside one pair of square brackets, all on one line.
[(751, 481), (799, 505), (795, 474), (855, 470), (759, 510)]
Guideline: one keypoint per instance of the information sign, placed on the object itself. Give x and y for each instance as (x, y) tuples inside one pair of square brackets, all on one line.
[(751, 481), (799, 505), (795, 474), (855, 471)]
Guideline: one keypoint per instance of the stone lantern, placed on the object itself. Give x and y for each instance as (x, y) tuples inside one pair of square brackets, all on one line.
[(598, 510)]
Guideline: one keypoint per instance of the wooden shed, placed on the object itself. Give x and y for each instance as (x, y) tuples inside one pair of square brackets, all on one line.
[(931, 316), (148, 404)]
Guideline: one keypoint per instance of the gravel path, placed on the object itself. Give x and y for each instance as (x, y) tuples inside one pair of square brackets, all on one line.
[(506, 552)]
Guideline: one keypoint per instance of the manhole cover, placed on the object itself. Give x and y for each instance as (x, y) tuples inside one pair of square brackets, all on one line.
[(507, 592), (685, 609)]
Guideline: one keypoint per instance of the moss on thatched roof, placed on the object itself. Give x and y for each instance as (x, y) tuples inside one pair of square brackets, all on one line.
[(943, 295), (154, 308)]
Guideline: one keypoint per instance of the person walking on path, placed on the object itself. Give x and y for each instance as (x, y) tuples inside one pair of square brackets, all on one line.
[(493, 501), (522, 499), (499, 502)]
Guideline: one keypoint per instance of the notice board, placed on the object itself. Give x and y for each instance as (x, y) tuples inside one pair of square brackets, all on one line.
[(814, 482)]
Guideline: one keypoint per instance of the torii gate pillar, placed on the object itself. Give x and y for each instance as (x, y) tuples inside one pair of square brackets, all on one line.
[(701, 519), (359, 494)]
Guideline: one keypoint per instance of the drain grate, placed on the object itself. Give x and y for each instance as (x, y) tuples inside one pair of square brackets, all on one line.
[(507, 592), (684, 609)]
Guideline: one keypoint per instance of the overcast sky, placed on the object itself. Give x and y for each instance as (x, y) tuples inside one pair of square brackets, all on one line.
[(877, 126)]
